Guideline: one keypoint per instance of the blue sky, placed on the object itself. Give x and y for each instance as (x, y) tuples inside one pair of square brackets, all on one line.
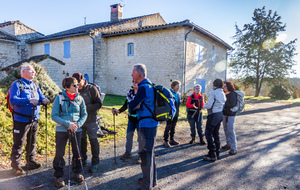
[(217, 16)]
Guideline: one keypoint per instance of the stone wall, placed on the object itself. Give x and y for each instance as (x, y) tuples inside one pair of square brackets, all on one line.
[(8, 54), (81, 50), (54, 70), (206, 69)]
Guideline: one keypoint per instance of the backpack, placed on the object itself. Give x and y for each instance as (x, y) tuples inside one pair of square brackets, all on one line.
[(164, 103), (62, 99), (240, 103), (9, 105), (102, 95)]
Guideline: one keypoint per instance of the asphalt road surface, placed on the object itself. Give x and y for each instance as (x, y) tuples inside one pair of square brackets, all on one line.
[(268, 136)]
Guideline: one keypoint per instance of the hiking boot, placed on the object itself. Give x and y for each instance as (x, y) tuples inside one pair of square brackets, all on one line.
[(192, 141), (226, 147), (59, 182), (208, 158), (166, 144), (173, 142), (232, 152), (125, 156), (18, 171), (94, 168), (140, 181), (202, 141), (33, 165), (78, 177)]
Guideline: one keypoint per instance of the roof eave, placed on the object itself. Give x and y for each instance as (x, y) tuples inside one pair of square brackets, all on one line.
[(58, 37)]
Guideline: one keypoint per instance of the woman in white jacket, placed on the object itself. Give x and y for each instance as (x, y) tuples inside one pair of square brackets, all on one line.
[(214, 106)]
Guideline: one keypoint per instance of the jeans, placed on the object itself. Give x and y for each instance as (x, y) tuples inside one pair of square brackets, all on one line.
[(61, 139), (228, 125), (147, 142), (193, 121), (131, 126), (20, 131), (170, 128), (90, 129), (212, 132)]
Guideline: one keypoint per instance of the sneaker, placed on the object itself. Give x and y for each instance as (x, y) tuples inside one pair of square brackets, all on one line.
[(94, 168), (207, 158), (125, 156), (173, 142), (33, 165), (59, 182), (202, 141), (232, 152), (166, 144), (226, 147), (192, 141), (78, 177), (18, 171)]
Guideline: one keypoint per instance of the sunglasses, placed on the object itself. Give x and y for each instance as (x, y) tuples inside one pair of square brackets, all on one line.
[(75, 85)]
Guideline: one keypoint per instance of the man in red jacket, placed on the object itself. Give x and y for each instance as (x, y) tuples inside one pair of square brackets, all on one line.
[(194, 107)]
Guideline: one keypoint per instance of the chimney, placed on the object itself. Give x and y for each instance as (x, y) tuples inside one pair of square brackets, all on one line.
[(116, 12)]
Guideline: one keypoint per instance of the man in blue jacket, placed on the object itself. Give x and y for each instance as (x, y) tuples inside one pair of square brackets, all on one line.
[(25, 96), (147, 125)]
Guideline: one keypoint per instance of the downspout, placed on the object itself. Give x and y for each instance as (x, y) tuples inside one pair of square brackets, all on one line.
[(93, 56), (184, 61), (226, 66)]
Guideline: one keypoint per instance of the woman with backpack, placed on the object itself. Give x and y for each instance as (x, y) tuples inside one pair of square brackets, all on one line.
[(171, 124), (69, 113), (229, 118)]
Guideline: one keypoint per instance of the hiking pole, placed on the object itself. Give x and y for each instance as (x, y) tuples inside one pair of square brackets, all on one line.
[(30, 139), (69, 180), (46, 114), (115, 138), (79, 158)]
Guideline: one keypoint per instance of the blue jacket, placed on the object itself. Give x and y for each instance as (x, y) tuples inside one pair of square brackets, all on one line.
[(21, 101), (177, 101), (145, 95), (69, 111)]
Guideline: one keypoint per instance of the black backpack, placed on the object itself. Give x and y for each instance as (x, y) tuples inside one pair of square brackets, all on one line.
[(164, 103), (102, 95)]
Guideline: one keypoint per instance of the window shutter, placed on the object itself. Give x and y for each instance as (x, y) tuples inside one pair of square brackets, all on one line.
[(47, 49), (67, 52)]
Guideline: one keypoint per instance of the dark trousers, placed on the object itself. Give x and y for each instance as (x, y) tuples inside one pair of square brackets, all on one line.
[(61, 139), (147, 141), (195, 120), (170, 129), (20, 131), (90, 129), (212, 132)]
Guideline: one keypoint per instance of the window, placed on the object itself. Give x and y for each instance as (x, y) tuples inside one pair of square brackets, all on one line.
[(199, 52), (67, 51), (213, 54), (47, 49), (130, 49)]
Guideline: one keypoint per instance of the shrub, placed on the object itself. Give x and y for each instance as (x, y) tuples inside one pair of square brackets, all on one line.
[(279, 92), (47, 85)]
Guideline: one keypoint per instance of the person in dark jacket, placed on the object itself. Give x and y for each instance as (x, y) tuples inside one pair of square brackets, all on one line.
[(69, 113), (229, 118), (133, 123), (25, 118), (194, 107), (93, 103), (171, 124)]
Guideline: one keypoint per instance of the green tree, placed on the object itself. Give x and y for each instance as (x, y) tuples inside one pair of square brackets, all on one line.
[(258, 56)]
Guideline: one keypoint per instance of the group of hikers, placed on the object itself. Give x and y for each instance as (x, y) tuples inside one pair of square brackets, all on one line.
[(75, 113)]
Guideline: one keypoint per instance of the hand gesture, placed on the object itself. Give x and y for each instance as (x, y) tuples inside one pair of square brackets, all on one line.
[(115, 111), (34, 101), (46, 101), (195, 106)]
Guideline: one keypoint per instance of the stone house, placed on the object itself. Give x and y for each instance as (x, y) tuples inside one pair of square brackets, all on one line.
[(106, 52)]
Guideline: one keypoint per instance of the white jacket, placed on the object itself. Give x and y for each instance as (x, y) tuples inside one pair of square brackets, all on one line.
[(217, 96)]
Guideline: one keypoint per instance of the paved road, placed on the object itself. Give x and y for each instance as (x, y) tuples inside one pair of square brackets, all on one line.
[(268, 158)]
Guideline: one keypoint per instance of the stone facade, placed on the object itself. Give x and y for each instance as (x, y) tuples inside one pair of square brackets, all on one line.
[(54, 70), (81, 59), (8, 54)]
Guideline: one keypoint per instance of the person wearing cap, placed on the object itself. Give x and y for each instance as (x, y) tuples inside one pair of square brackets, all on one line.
[(93, 103), (214, 106)]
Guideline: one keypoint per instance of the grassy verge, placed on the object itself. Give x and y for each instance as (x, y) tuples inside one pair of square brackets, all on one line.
[(268, 99)]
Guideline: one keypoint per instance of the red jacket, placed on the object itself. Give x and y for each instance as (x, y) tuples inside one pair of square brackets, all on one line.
[(189, 101)]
